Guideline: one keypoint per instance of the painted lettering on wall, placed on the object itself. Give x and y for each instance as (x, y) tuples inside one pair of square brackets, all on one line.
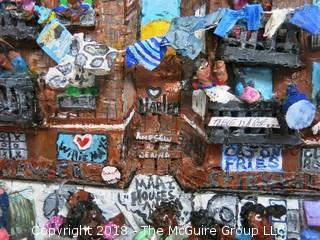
[(310, 159), (13, 146), (265, 181), (161, 154), (153, 137), (82, 148), (48, 169), (146, 192), (245, 158), (147, 105), (249, 122)]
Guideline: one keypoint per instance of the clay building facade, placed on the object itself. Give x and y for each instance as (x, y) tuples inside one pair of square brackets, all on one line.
[(151, 124), (147, 105)]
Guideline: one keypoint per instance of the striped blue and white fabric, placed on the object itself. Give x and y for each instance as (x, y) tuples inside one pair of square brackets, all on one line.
[(148, 53)]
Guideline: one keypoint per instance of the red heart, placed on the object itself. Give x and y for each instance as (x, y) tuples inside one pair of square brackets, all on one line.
[(83, 142)]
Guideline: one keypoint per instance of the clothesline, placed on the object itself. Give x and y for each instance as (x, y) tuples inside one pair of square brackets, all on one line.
[(181, 37)]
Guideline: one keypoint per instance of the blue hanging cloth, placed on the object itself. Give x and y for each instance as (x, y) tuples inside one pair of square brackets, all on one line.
[(148, 53), (308, 18), (181, 32), (251, 13)]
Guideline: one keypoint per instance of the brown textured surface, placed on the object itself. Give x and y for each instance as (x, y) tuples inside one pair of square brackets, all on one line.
[(117, 26)]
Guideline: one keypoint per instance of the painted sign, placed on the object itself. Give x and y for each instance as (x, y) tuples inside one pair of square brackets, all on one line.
[(310, 159), (13, 146), (91, 148), (161, 154), (55, 40), (245, 158), (47, 169), (81, 102), (261, 78), (147, 105), (315, 79), (199, 102), (147, 192), (156, 17), (265, 181), (154, 137), (245, 122)]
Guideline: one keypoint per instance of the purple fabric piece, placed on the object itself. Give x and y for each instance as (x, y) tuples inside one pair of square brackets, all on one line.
[(312, 211)]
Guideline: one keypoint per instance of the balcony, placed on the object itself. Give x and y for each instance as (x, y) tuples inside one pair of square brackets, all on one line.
[(18, 102), (250, 48), (15, 27), (281, 134)]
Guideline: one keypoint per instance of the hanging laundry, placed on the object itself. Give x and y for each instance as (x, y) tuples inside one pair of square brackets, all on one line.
[(308, 19), (85, 60), (55, 40), (148, 53), (277, 18), (251, 13), (254, 15), (181, 32), (313, 217)]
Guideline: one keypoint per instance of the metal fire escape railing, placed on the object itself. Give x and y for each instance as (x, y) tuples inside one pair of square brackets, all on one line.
[(243, 135), (282, 50), (13, 26), (18, 101)]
